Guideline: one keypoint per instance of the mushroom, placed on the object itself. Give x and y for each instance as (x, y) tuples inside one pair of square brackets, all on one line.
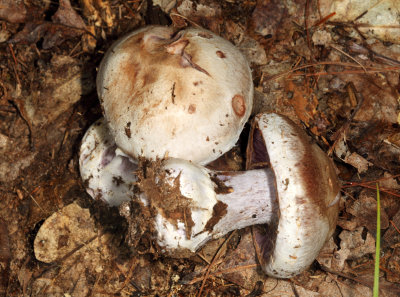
[(158, 86), (295, 198), (190, 204), (106, 171), (308, 191)]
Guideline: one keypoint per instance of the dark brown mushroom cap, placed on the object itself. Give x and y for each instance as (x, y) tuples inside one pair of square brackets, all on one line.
[(308, 194)]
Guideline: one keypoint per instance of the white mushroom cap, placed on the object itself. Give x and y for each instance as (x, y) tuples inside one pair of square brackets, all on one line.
[(186, 94), (108, 174), (308, 191)]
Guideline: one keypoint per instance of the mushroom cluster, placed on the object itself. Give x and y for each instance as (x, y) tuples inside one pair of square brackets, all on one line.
[(181, 99)]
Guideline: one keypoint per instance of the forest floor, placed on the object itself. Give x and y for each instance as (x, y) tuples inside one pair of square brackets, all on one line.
[(336, 77)]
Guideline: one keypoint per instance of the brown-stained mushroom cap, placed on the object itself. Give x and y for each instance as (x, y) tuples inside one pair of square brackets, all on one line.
[(184, 94), (308, 194)]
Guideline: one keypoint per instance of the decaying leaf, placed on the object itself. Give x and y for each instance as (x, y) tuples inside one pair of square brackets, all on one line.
[(240, 264), (364, 210), (358, 162), (305, 103), (267, 16), (70, 239), (66, 24), (66, 15), (165, 5), (62, 80), (353, 245), (208, 16), (326, 256), (391, 238), (393, 274), (13, 11), (379, 19), (389, 182), (63, 232), (97, 11)]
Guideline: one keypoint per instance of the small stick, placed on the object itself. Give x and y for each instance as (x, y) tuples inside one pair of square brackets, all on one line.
[(216, 257), (15, 63)]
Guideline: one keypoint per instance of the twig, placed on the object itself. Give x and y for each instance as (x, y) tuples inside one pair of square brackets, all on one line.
[(215, 258), (33, 198), (337, 72), (129, 9), (203, 258), (369, 69), (324, 19), (347, 55), (307, 6), (128, 277), (379, 179), (15, 63), (360, 281), (354, 184), (394, 226)]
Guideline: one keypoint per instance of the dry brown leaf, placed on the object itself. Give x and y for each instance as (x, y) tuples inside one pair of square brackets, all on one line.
[(63, 232), (393, 273), (97, 11), (305, 103), (353, 245), (66, 24), (389, 182), (267, 16), (364, 211), (358, 162), (391, 238), (13, 11), (377, 19)]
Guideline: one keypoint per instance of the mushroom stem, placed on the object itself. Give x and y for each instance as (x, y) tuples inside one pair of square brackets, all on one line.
[(251, 199), (193, 204)]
